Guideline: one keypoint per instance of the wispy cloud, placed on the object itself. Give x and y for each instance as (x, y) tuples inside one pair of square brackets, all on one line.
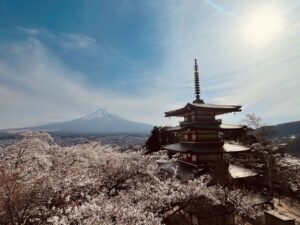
[(219, 8), (69, 41), (29, 31), (36, 88), (78, 41)]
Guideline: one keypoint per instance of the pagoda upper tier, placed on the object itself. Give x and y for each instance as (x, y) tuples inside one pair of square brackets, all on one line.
[(200, 127), (203, 108)]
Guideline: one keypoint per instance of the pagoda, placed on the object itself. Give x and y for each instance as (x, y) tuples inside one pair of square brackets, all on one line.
[(202, 141)]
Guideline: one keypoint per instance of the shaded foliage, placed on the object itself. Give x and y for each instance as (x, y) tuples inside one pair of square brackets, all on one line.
[(153, 144)]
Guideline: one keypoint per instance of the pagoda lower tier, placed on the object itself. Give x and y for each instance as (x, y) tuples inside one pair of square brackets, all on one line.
[(187, 171), (196, 158)]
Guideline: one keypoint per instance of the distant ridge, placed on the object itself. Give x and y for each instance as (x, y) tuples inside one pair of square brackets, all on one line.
[(98, 122), (286, 129)]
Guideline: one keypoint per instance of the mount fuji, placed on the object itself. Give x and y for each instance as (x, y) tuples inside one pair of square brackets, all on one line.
[(99, 122)]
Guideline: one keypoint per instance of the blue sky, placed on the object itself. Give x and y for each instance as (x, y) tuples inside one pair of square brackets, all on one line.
[(62, 59)]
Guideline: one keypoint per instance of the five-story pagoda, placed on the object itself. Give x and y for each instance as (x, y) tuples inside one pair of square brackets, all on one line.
[(201, 142)]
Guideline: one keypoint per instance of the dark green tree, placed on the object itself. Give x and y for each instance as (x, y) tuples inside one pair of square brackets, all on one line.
[(153, 143)]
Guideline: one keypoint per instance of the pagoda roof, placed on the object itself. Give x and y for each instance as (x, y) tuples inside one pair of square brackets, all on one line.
[(208, 210), (183, 170), (204, 107), (238, 172), (232, 126), (194, 148), (280, 216), (177, 128), (257, 198), (207, 126), (188, 171)]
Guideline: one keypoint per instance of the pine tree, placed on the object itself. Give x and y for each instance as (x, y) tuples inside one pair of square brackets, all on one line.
[(153, 143)]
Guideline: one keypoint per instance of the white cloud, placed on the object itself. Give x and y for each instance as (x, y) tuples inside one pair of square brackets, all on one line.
[(29, 31), (78, 41), (69, 41)]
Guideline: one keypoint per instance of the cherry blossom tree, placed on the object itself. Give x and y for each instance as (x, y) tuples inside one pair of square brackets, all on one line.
[(92, 183)]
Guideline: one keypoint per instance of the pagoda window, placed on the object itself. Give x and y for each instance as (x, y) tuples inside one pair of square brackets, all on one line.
[(194, 137), (194, 158), (186, 137), (184, 156)]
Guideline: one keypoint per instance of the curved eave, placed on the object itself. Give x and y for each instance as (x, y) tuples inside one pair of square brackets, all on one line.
[(183, 170), (174, 129), (177, 112), (193, 148), (257, 199), (217, 109), (238, 172), (232, 127)]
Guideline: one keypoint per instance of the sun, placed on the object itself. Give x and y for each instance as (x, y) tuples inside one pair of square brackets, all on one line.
[(262, 26)]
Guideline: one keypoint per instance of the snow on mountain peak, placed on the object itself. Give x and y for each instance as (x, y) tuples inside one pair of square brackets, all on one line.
[(102, 114)]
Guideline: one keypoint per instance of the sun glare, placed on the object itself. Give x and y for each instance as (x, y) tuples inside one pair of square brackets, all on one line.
[(262, 26)]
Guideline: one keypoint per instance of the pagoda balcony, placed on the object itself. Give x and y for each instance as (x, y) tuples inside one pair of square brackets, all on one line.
[(208, 122)]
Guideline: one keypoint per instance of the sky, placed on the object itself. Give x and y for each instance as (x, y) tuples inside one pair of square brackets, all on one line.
[(63, 59)]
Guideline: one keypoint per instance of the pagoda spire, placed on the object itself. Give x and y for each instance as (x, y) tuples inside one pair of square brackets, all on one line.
[(197, 85)]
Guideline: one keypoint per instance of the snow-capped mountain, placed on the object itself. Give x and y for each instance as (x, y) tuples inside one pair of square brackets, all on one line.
[(98, 122), (101, 114)]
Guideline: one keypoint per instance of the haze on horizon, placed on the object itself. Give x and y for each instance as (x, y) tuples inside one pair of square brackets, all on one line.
[(61, 60)]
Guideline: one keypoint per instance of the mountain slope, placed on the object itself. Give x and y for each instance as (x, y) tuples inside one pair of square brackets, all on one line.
[(286, 129), (289, 132), (99, 122)]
